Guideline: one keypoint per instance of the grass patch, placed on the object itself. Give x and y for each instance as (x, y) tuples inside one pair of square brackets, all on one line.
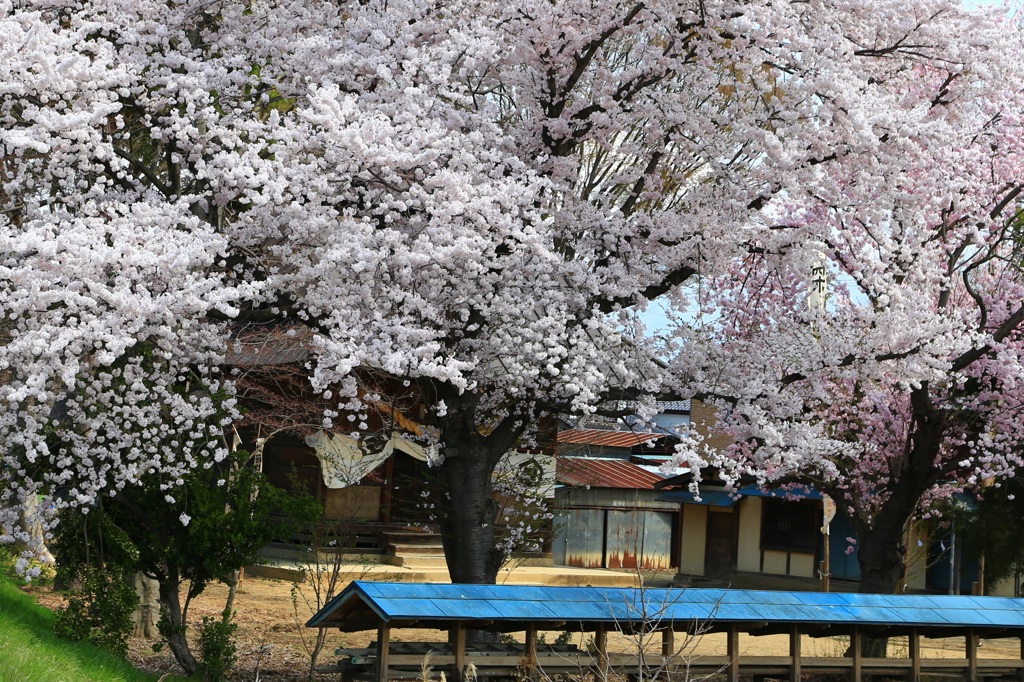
[(33, 653)]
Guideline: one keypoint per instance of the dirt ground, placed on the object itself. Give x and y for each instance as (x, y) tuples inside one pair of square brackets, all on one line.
[(273, 642)]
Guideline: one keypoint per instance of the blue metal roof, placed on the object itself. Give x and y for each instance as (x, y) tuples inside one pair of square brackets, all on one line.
[(438, 604)]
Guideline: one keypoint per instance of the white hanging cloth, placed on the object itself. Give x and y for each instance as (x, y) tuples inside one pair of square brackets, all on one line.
[(343, 463)]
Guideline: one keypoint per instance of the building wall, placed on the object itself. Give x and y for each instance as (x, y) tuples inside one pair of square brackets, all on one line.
[(703, 419), (802, 565), (355, 503), (694, 540), (672, 422), (750, 557), (748, 553), (1001, 589), (610, 498)]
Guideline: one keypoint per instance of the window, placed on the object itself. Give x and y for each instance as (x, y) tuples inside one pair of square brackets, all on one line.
[(789, 526)]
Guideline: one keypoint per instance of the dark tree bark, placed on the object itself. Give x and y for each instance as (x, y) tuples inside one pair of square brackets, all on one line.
[(173, 626), (882, 550), (882, 539), (468, 517), (467, 508), (882, 555)]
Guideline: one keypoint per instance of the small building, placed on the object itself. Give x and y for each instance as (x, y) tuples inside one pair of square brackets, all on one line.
[(607, 515), (768, 539)]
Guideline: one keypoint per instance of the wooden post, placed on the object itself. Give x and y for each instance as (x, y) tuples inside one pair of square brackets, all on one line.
[(383, 649), (457, 638), (388, 490), (914, 640), (601, 644), (668, 643), (733, 651), (828, 512), (856, 644), (824, 567), (1020, 673), (531, 650), (971, 640), (794, 653)]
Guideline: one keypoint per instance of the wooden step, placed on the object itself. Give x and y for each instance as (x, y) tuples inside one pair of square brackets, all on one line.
[(411, 537), (419, 561), (406, 550)]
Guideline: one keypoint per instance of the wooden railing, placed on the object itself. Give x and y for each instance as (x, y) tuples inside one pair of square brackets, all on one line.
[(405, 660)]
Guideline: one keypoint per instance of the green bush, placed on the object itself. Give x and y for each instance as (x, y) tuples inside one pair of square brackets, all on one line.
[(217, 652), (99, 611)]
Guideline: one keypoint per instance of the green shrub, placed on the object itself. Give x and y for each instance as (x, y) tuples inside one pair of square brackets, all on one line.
[(217, 652), (99, 611)]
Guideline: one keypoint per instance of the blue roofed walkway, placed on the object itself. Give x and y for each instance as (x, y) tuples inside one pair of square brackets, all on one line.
[(672, 613)]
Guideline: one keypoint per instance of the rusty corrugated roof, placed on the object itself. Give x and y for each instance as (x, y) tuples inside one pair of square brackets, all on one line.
[(614, 439), (604, 473)]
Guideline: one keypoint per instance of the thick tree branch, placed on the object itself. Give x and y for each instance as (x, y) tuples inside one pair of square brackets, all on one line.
[(667, 283), (1011, 324), (145, 171)]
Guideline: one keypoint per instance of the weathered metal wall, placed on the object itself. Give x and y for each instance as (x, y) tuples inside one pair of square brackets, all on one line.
[(579, 538), (638, 539), (613, 538), (623, 538), (605, 498), (658, 539)]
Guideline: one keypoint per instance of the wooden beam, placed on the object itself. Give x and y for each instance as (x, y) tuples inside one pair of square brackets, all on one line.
[(668, 643), (388, 492), (914, 642), (531, 650), (733, 651), (971, 641), (819, 630), (794, 653), (759, 629), (383, 648), (856, 644), (996, 633)]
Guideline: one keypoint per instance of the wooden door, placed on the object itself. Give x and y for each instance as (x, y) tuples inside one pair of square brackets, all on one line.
[(720, 550)]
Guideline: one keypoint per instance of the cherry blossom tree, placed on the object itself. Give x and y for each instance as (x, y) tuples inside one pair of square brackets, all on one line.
[(905, 385), (470, 197)]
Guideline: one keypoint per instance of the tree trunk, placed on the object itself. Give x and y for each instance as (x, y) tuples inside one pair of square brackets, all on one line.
[(173, 625), (882, 557), (146, 616), (882, 545), (32, 524), (468, 515)]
